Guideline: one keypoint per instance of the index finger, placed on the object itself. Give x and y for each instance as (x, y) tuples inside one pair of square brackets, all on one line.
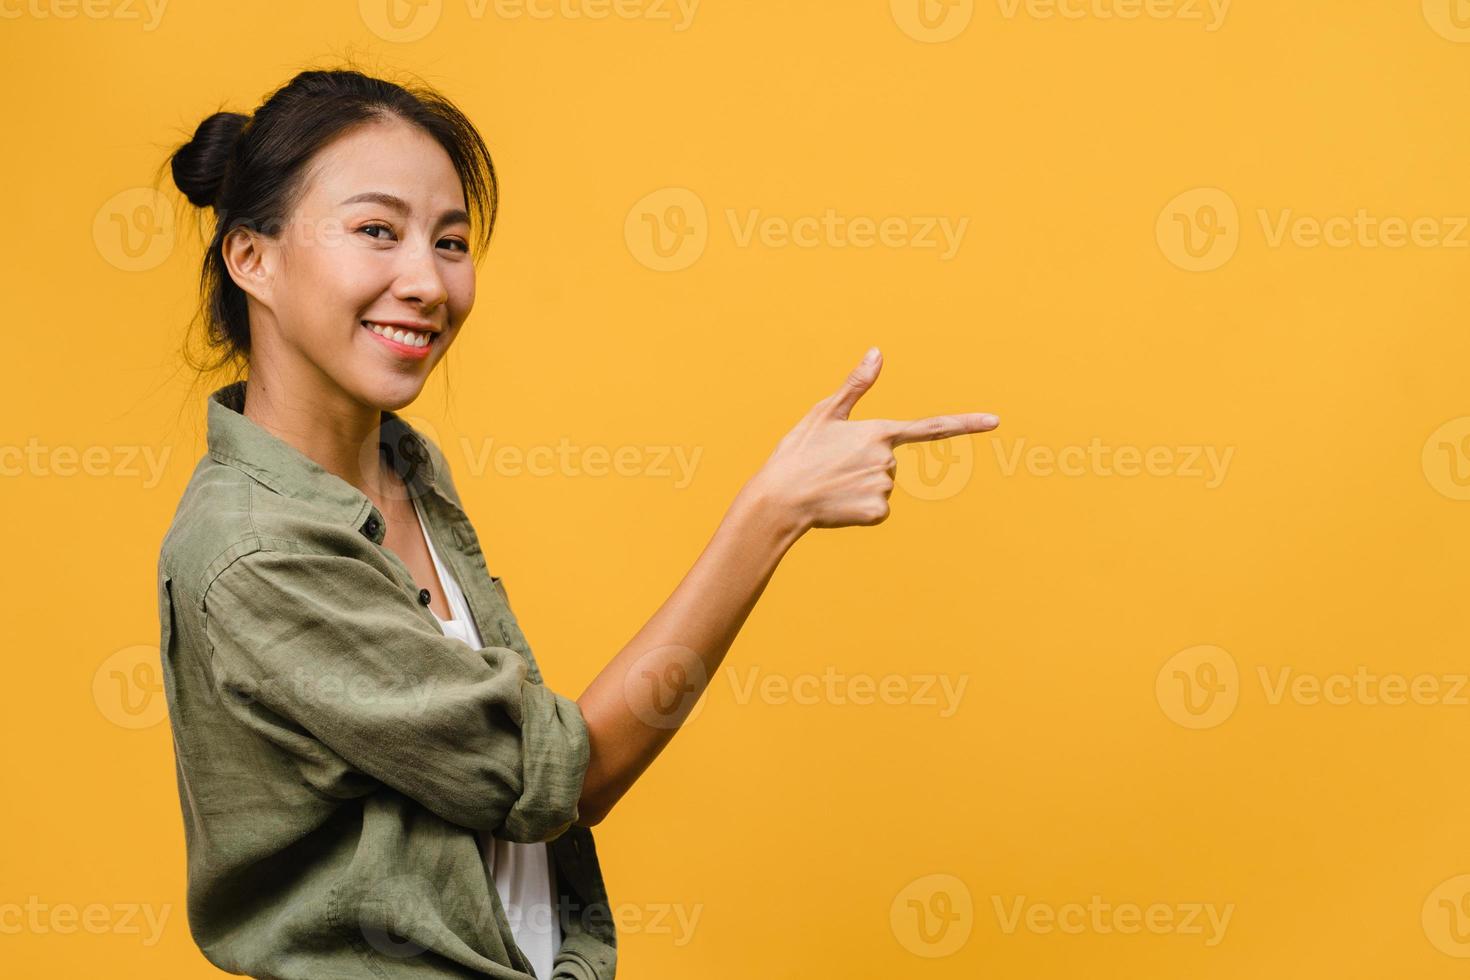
[(940, 427)]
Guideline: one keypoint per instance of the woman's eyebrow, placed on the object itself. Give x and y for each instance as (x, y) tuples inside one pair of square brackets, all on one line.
[(452, 216)]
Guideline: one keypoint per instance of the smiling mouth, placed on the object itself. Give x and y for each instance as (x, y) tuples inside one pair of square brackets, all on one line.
[(402, 336)]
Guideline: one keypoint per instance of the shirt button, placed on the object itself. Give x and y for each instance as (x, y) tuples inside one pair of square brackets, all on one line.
[(371, 527), (423, 597)]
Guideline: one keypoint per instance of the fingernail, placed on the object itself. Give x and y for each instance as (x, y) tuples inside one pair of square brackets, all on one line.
[(991, 420), (871, 355)]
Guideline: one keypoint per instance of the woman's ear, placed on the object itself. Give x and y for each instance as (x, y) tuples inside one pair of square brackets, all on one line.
[(250, 260)]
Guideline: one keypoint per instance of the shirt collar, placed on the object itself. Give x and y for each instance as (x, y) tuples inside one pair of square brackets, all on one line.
[(236, 441)]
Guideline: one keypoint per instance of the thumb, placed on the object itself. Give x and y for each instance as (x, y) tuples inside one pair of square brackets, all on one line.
[(857, 383)]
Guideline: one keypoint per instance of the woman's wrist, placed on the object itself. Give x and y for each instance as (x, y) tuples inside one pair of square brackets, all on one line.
[(767, 515)]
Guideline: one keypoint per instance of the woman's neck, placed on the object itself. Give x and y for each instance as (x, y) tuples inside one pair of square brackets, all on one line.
[(338, 433)]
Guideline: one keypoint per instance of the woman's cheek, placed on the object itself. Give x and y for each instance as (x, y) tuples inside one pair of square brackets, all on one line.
[(461, 298)]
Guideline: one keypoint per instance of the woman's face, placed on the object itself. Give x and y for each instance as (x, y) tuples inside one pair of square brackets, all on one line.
[(371, 279)]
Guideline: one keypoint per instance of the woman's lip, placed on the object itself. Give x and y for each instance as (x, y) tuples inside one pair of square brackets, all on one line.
[(402, 350)]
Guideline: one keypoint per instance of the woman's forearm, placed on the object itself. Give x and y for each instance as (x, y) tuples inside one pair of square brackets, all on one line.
[(828, 471), (634, 706)]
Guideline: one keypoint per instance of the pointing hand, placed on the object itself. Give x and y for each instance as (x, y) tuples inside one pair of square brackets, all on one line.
[(833, 471)]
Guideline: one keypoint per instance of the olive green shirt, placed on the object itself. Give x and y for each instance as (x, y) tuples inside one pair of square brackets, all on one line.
[(337, 753)]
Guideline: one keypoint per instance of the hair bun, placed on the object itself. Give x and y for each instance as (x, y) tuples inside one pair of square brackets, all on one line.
[(199, 165)]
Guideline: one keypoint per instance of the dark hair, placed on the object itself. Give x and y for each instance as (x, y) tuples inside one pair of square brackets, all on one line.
[(251, 171)]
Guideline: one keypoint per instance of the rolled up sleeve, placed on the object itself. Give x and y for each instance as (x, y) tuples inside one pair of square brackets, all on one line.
[(331, 650)]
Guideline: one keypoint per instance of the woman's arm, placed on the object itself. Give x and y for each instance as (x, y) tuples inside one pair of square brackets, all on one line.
[(634, 706), (828, 471)]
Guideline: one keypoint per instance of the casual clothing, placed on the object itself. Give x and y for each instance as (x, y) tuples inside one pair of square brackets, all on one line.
[(339, 756), (521, 872)]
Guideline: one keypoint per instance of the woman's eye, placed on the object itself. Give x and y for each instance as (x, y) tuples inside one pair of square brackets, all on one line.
[(455, 242)]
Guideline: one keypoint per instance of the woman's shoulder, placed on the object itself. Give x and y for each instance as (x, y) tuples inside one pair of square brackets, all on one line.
[(226, 513)]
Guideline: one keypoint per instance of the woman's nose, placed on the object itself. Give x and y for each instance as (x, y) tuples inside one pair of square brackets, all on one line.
[(419, 278)]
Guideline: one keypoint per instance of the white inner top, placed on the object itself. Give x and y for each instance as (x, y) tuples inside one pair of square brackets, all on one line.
[(521, 872)]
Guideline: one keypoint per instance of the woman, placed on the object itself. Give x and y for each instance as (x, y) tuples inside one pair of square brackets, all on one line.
[(374, 779)]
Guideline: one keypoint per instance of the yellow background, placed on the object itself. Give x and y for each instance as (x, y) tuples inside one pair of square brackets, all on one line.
[(793, 834)]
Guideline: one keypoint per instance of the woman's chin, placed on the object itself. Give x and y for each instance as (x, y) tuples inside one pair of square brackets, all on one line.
[(391, 391)]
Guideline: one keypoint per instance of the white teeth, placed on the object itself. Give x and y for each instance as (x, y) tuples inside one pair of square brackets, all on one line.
[(413, 338)]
